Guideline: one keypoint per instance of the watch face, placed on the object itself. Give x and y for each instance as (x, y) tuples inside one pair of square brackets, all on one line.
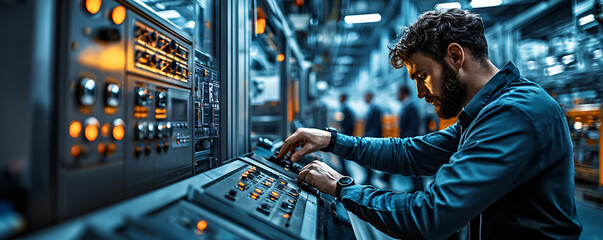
[(346, 180)]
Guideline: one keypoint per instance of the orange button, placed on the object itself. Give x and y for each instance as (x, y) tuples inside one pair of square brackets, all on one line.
[(91, 129), (274, 194), (75, 128), (111, 149), (286, 216), (271, 179), (93, 6), (267, 183), (284, 183), (102, 148), (291, 201), (254, 168), (76, 151), (254, 196), (105, 129), (202, 225), (118, 15), (119, 132), (241, 188), (258, 190), (286, 169), (241, 184)]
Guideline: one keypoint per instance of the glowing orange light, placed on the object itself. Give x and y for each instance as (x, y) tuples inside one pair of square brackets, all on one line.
[(254, 168), (119, 132), (280, 57), (241, 184), (93, 6), (101, 148), (271, 179), (260, 26), (258, 190), (105, 129), (267, 183), (75, 128), (286, 169), (254, 197), (111, 149), (274, 194), (286, 216), (202, 225), (76, 151), (91, 132), (118, 15), (283, 183)]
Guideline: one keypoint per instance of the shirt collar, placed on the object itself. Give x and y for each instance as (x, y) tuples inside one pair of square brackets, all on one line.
[(484, 95)]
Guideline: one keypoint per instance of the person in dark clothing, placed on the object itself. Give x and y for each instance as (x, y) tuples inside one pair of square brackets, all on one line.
[(504, 170), (409, 127), (347, 123), (409, 117), (373, 126)]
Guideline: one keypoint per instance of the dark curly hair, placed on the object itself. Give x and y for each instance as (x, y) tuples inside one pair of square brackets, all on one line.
[(435, 30)]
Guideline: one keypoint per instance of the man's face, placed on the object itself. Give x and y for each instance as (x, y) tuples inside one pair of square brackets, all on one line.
[(438, 84)]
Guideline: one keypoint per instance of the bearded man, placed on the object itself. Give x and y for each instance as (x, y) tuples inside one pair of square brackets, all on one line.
[(503, 171)]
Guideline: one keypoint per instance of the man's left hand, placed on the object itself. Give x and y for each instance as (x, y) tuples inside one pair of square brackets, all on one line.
[(321, 176)]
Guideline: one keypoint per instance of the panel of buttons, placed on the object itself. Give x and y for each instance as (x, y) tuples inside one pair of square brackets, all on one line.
[(275, 200), (158, 53)]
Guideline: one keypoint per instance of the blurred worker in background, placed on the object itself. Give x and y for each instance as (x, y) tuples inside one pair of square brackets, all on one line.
[(372, 126), (347, 125), (409, 127), (504, 170)]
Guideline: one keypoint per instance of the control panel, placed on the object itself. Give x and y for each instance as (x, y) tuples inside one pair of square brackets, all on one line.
[(275, 201), (207, 117), (156, 52)]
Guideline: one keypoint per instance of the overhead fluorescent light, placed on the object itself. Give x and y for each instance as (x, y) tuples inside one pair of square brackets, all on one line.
[(441, 6), (344, 60), (169, 14), (362, 18), (485, 3), (586, 19)]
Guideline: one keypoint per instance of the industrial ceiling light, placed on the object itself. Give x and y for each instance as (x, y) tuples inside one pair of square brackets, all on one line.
[(485, 3), (586, 19), (362, 18), (448, 5)]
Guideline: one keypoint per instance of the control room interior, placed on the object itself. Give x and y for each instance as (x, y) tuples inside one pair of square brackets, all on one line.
[(161, 119)]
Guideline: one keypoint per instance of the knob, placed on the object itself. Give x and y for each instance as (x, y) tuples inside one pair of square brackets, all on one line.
[(147, 149), (141, 130), (160, 130), (142, 97), (168, 129), (112, 95), (161, 99), (150, 130), (152, 36), (137, 151), (158, 147), (87, 91), (165, 146), (108, 34), (171, 45)]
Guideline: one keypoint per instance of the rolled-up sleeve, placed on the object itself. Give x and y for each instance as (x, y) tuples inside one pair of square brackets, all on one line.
[(422, 155), (495, 159)]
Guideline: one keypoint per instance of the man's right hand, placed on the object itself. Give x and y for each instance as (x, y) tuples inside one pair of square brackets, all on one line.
[(310, 139)]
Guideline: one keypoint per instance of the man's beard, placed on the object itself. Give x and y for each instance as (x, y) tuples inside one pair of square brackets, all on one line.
[(454, 95)]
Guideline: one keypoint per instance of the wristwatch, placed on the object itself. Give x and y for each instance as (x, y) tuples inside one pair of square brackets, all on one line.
[(333, 132), (342, 182)]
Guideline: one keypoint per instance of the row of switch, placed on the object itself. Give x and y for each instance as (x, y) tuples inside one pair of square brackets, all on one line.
[(87, 93), (144, 97), (91, 128), (151, 60), (105, 149), (154, 39), (148, 149), (151, 130)]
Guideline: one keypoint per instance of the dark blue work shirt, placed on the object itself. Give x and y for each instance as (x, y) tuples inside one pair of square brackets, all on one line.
[(506, 166)]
